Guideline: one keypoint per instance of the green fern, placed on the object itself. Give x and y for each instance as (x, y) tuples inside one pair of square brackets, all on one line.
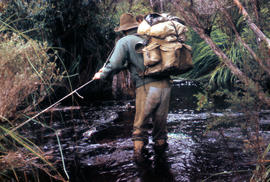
[(206, 64)]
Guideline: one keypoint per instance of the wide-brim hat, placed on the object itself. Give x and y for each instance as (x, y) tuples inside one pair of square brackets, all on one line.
[(127, 21)]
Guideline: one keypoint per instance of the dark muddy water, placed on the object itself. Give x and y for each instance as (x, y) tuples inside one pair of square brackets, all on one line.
[(97, 146)]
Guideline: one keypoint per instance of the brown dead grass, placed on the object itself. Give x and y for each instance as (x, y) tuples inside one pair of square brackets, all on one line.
[(27, 74), (25, 70)]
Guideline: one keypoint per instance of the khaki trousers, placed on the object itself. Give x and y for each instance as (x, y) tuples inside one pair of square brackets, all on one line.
[(152, 100)]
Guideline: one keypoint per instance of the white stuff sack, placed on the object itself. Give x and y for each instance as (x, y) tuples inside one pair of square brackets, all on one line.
[(164, 29), (144, 28)]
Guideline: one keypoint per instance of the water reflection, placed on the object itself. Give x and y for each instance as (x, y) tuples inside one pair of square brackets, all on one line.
[(158, 170)]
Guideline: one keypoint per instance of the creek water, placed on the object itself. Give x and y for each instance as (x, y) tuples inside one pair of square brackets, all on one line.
[(97, 146)]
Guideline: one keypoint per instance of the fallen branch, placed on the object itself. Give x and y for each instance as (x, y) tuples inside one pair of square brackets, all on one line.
[(45, 110), (229, 20), (251, 24)]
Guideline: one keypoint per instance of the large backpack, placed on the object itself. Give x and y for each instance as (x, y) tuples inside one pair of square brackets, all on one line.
[(164, 51)]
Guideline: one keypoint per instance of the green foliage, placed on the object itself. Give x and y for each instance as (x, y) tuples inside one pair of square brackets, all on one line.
[(210, 70), (264, 15), (220, 83), (140, 7), (261, 168), (82, 31), (203, 101), (29, 17), (207, 66)]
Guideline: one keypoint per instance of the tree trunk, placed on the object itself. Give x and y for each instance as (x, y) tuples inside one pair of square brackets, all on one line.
[(161, 5), (122, 86), (252, 25), (230, 21), (156, 5)]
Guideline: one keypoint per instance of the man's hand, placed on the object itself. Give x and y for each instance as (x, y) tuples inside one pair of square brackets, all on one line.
[(97, 76)]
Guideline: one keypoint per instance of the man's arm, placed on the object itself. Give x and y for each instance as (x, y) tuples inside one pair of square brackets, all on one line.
[(116, 61)]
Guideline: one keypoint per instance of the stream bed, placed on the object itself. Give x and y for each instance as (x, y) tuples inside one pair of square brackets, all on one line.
[(97, 146)]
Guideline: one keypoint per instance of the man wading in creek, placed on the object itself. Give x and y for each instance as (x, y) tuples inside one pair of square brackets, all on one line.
[(152, 93)]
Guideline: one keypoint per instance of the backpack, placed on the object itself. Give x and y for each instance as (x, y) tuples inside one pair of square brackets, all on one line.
[(164, 51)]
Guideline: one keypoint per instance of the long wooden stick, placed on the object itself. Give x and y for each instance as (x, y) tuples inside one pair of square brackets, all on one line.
[(20, 125)]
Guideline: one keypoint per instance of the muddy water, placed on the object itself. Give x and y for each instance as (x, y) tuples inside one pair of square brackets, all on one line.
[(97, 146)]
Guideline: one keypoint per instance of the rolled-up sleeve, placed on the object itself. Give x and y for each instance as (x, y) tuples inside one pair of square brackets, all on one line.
[(117, 60)]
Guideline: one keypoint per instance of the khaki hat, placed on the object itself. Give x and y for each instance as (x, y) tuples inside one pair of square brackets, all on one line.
[(127, 21)]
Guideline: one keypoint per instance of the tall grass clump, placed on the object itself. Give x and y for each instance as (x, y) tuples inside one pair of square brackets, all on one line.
[(26, 74)]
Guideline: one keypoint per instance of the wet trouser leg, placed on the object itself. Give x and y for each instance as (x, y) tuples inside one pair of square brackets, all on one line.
[(159, 131), (153, 100)]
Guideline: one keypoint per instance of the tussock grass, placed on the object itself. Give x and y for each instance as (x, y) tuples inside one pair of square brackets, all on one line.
[(25, 69), (27, 76)]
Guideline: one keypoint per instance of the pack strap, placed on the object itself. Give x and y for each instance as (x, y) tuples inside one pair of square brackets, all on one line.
[(176, 31)]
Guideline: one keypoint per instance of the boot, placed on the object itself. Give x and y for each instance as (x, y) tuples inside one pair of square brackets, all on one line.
[(161, 164), (160, 142), (139, 149), (160, 147)]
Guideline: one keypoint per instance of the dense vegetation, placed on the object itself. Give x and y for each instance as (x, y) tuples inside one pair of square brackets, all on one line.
[(48, 48), (232, 62)]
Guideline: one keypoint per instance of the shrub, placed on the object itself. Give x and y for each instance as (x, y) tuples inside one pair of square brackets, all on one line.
[(26, 74)]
